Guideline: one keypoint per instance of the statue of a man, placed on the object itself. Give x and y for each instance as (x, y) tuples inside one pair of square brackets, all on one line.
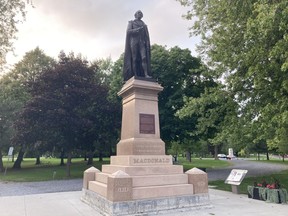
[(137, 56)]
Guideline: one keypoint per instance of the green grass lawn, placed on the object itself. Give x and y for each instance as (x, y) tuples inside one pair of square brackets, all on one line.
[(49, 169), (282, 177), (203, 163)]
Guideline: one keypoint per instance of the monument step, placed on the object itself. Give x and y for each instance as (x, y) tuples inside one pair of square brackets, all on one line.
[(144, 170), (98, 187), (162, 191), (151, 180)]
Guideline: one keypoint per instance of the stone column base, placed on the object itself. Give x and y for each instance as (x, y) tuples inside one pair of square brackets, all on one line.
[(153, 206)]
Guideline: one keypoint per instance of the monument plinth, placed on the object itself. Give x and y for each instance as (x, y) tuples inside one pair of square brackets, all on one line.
[(140, 132), (141, 178)]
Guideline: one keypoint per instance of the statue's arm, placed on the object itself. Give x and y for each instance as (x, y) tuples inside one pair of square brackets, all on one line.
[(131, 30)]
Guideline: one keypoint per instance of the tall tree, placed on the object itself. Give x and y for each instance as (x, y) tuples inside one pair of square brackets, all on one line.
[(181, 75), (12, 98), (31, 66), (16, 81), (68, 103), (213, 109), (246, 42), (11, 13)]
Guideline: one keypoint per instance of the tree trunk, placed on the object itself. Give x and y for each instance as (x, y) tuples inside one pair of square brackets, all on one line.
[(38, 162), (216, 152), (267, 156), (188, 156), (68, 165), (1, 162), (90, 158), (62, 158), (17, 163), (283, 157), (100, 156)]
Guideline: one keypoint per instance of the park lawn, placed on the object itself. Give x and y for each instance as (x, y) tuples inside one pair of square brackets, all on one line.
[(49, 169), (207, 163), (282, 177)]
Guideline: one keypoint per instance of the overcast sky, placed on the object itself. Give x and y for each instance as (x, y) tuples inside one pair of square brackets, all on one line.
[(97, 28)]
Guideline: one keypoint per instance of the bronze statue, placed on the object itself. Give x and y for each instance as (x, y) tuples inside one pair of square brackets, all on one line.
[(137, 55)]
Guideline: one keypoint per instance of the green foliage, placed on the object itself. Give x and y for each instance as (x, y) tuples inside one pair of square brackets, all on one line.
[(246, 43), (181, 75), (31, 66), (11, 13), (116, 80), (68, 109), (15, 90)]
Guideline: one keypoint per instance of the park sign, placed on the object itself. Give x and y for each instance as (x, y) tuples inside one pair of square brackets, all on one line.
[(10, 152), (236, 176)]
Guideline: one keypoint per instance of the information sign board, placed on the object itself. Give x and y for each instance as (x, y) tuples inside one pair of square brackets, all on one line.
[(236, 176)]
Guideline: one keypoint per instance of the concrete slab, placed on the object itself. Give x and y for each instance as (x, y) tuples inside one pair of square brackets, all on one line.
[(69, 203)]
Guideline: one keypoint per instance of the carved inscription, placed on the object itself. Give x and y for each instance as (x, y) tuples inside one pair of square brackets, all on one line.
[(151, 160), (149, 149), (123, 190), (147, 123)]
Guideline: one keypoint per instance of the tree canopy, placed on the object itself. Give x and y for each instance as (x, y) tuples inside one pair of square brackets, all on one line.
[(246, 43), (181, 75), (11, 13), (67, 109)]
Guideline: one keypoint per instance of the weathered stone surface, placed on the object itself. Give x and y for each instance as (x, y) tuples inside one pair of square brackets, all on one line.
[(144, 170), (119, 187), (89, 175), (199, 179), (153, 206), (162, 191), (140, 98)]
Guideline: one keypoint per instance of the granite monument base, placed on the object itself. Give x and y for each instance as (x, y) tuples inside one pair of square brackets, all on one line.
[(155, 206), (141, 178)]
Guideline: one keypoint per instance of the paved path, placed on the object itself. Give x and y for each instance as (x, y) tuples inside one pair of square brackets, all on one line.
[(25, 188), (69, 204), (254, 169)]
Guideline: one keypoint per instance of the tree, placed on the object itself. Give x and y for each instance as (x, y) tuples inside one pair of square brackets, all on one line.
[(7, 107), (213, 110), (11, 13), (31, 66), (246, 42), (12, 98), (68, 106), (16, 81), (181, 75)]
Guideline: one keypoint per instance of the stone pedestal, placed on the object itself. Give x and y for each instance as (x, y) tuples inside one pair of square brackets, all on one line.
[(140, 132), (141, 178)]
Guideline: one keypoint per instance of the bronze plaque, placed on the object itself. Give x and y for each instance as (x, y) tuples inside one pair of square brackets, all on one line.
[(147, 123)]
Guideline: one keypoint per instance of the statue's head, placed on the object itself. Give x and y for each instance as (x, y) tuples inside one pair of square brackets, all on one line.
[(138, 14)]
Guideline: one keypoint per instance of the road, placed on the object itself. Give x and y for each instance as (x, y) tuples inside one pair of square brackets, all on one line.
[(24, 188)]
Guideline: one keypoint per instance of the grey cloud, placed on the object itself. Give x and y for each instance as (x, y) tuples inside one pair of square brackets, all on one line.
[(109, 18)]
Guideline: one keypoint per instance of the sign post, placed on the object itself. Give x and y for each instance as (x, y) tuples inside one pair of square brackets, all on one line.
[(10, 154), (235, 178)]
